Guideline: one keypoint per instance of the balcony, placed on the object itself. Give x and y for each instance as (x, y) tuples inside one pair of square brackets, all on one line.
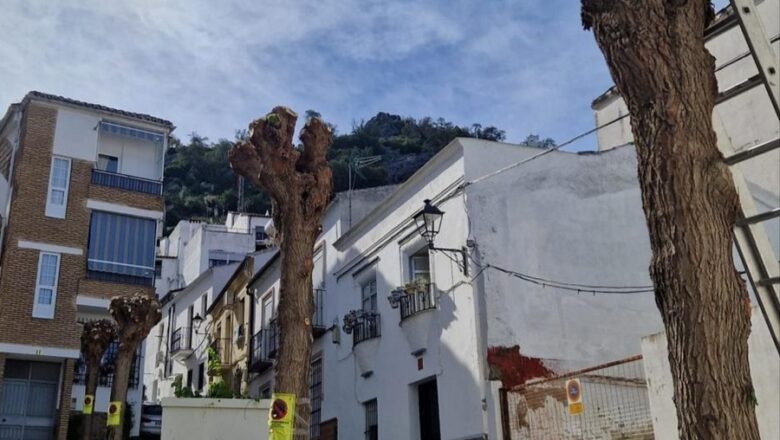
[(181, 345), (223, 348), (318, 320), (263, 349), (362, 325), (126, 182), (417, 301)]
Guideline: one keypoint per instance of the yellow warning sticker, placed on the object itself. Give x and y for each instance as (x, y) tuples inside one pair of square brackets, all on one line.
[(575, 408), (114, 413), (281, 416), (574, 396), (89, 401)]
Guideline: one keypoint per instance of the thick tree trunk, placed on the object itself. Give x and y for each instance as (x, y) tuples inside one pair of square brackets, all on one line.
[(655, 52), (296, 307), (135, 316), (299, 183), (95, 339), (122, 364), (90, 386)]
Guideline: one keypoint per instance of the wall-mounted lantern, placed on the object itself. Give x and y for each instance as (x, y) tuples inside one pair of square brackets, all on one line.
[(428, 223)]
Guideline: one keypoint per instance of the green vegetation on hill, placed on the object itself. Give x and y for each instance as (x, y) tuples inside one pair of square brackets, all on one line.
[(199, 183)]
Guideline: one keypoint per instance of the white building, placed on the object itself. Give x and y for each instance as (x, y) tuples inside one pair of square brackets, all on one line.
[(193, 265), (431, 367)]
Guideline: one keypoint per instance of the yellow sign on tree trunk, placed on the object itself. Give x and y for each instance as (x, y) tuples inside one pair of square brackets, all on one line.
[(281, 418), (89, 401), (114, 413)]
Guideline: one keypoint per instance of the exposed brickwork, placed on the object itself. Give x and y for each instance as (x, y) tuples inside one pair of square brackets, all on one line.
[(103, 290), (512, 368), (63, 415), (126, 197), (2, 368)]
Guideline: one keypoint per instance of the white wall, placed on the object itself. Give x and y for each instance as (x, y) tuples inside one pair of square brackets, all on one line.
[(215, 419), (136, 157), (76, 134), (571, 218), (764, 369)]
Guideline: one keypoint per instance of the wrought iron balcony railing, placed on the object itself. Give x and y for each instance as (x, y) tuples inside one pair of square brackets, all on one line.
[(417, 301), (124, 181)]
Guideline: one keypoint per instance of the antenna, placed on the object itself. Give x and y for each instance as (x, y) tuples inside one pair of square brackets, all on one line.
[(356, 163)]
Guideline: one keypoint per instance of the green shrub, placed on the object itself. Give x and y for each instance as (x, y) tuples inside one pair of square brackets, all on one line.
[(220, 390)]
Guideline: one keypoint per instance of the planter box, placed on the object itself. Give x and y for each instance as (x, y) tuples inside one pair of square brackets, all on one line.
[(217, 419)]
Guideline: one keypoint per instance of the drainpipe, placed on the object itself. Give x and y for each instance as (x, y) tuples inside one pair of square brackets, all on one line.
[(250, 293)]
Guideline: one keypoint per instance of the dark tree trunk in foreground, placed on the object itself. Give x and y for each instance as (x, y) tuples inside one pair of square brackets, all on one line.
[(135, 316), (95, 338), (299, 183), (655, 52)]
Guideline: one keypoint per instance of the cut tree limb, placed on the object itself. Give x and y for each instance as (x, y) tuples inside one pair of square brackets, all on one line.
[(95, 338)]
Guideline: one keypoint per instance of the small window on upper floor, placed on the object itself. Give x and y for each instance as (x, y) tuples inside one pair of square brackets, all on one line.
[(46, 285), (59, 181), (368, 296), (261, 238), (6, 153), (158, 269), (420, 267), (108, 163)]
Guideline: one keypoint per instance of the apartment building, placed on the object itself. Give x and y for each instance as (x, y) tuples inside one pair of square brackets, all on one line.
[(194, 263), (81, 207)]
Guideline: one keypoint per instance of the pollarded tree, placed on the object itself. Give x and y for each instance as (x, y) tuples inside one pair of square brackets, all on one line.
[(299, 182), (135, 316), (95, 338), (655, 52)]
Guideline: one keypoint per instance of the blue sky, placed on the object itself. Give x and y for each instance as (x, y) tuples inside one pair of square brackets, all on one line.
[(524, 66)]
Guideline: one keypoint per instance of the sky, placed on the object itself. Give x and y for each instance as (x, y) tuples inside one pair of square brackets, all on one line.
[(525, 66)]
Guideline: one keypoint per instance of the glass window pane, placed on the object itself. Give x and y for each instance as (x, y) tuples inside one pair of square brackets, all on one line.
[(57, 197), (59, 173), (44, 296), (48, 270), (108, 163)]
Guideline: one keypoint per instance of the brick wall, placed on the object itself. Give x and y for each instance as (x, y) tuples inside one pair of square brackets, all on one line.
[(126, 197), (104, 290)]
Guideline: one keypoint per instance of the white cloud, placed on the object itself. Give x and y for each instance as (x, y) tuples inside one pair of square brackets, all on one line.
[(210, 66)]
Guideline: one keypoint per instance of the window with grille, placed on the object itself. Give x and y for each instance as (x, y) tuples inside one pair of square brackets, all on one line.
[(6, 152), (372, 420), (368, 296), (315, 391), (106, 376)]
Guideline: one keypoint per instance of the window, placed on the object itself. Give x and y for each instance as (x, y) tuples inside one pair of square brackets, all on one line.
[(420, 267), (57, 198), (121, 245), (6, 153), (204, 305), (218, 262), (108, 163), (46, 285), (315, 392), (268, 310), (261, 238), (189, 378), (372, 422), (368, 296), (201, 375), (158, 269)]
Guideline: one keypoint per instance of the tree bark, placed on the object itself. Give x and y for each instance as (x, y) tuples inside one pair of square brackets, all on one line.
[(299, 182), (656, 55), (95, 338), (135, 316)]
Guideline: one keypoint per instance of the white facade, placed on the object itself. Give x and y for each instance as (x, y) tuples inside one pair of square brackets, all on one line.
[(193, 246), (566, 216), (165, 360)]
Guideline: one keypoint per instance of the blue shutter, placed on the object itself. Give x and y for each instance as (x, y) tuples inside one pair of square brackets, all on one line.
[(121, 244)]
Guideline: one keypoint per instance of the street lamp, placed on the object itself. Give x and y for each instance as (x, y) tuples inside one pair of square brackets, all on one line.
[(197, 321), (428, 223)]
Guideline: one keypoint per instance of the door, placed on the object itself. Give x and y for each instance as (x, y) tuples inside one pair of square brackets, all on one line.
[(428, 396), (28, 398)]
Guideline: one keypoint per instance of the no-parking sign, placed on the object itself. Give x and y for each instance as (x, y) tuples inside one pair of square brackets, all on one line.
[(574, 396)]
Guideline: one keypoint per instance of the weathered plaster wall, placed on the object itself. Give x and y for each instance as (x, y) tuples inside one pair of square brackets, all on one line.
[(572, 218)]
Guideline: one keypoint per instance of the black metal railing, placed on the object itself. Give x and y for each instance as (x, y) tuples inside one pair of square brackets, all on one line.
[(367, 328), (106, 376), (418, 301), (109, 277), (179, 340), (318, 320), (124, 181), (265, 344)]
